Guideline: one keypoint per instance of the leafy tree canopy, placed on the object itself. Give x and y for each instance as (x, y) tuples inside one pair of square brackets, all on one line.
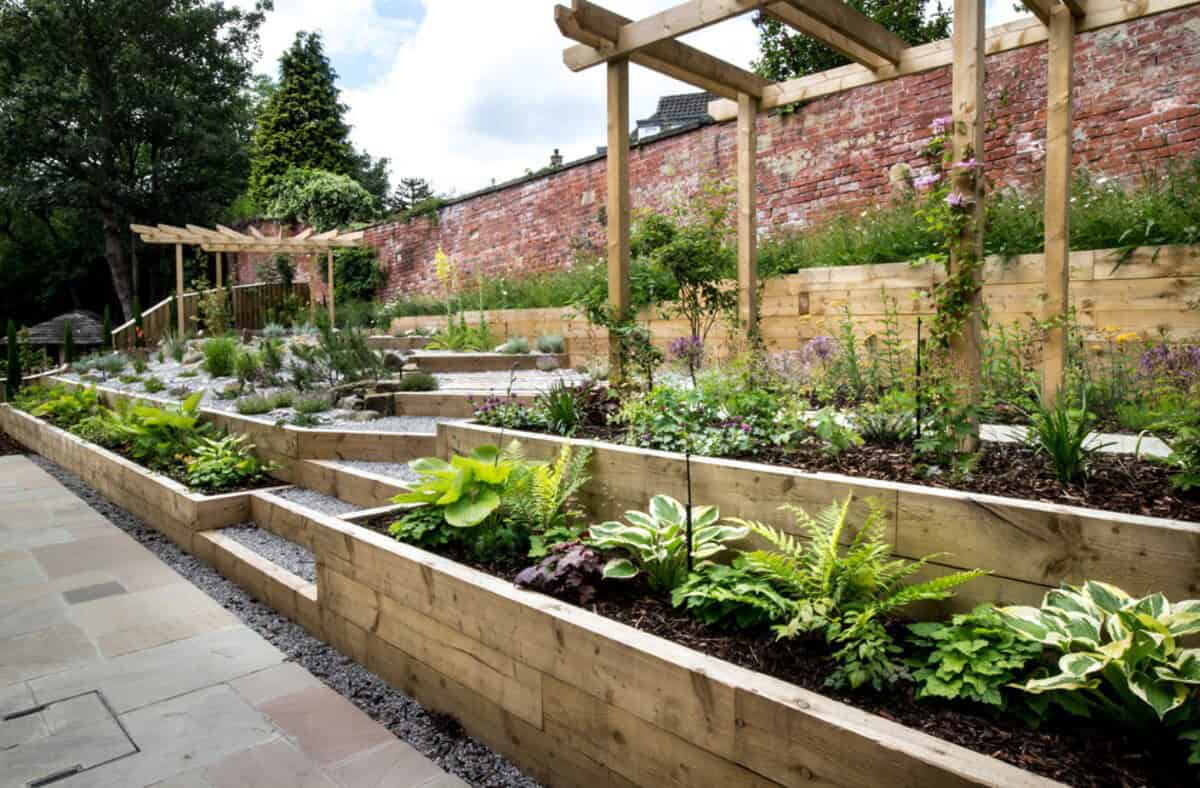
[(324, 200), (786, 54), (301, 125), (120, 110)]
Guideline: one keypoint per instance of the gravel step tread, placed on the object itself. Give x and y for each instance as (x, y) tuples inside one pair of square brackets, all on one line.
[(282, 552)]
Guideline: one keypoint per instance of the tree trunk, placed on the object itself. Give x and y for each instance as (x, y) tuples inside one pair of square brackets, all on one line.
[(118, 263)]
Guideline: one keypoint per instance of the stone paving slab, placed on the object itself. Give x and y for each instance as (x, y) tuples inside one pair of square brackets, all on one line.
[(90, 617)]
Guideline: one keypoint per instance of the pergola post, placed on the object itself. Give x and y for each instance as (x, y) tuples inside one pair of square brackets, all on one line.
[(747, 213), (218, 270), (618, 211), (968, 140), (179, 289), (1057, 275), (329, 291), (312, 296)]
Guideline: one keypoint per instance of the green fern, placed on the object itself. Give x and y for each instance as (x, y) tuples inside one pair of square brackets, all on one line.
[(541, 495)]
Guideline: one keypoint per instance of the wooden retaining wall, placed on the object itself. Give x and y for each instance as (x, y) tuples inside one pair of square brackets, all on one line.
[(579, 700), (162, 502), (1154, 288), (1028, 546)]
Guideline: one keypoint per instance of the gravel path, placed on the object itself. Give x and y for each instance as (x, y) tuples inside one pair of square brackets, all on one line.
[(326, 504), (427, 424), (279, 551), (395, 470), (437, 736)]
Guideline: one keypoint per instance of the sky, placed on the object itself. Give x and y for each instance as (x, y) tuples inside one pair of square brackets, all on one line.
[(467, 92)]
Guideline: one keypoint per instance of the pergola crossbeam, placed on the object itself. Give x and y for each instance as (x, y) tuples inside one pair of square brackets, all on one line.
[(598, 30), (839, 23), (799, 20), (1040, 8), (665, 25)]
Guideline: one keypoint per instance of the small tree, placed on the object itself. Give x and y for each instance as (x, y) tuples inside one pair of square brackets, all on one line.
[(69, 342), (13, 383), (106, 336)]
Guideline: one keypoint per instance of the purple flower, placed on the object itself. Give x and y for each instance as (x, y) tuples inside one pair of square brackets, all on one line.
[(966, 164), (956, 200), (819, 349), (942, 125), (688, 349), (1175, 364), (926, 182)]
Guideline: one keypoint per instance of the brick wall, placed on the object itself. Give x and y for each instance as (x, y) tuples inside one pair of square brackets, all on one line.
[(1137, 94)]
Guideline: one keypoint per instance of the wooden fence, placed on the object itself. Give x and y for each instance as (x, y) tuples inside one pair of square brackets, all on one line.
[(249, 310), (1152, 291)]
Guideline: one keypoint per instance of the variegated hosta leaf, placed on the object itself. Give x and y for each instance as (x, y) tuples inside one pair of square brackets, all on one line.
[(1068, 599), (703, 516), (1083, 629), (1081, 664), (1107, 597), (1181, 623), (642, 519), (1155, 606), (619, 569), (1032, 624), (1185, 668), (1162, 696), (718, 533), (667, 509), (1063, 681)]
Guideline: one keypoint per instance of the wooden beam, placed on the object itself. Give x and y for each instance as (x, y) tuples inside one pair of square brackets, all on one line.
[(179, 288), (300, 236), (598, 27), (854, 25), (218, 269), (665, 25), (1057, 274), (1040, 8), (967, 138), (618, 210), (329, 291), (938, 54), (1078, 7), (793, 17), (747, 212)]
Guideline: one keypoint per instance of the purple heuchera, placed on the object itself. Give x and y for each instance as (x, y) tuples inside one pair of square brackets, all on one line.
[(1178, 364), (571, 571), (689, 349)]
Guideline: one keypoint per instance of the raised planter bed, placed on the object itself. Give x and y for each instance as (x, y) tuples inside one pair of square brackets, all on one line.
[(1028, 546), (168, 505), (449, 404), (580, 700), (387, 342), (445, 361)]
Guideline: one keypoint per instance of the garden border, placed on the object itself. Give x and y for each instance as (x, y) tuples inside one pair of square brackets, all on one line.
[(1029, 546)]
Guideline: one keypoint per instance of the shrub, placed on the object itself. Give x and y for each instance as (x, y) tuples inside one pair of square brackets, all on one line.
[(551, 343), (274, 331), (164, 436), (220, 356), (655, 542), (357, 274), (282, 399), (514, 346), (66, 407), (153, 385), (174, 345), (128, 379), (218, 464), (247, 366), (311, 404), (254, 405), (418, 380), (109, 365)]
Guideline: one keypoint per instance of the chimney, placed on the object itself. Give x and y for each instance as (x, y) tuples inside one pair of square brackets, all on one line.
[(556, 159)]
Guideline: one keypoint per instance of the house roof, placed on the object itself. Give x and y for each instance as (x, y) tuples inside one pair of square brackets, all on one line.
[(679, 108), (87, 328)]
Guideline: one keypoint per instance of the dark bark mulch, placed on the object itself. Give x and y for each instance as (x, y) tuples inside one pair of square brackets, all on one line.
[(1072, 751), (9, 446)]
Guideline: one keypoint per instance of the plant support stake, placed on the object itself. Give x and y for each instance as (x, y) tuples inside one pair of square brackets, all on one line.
[(687, 465), (918, 378)]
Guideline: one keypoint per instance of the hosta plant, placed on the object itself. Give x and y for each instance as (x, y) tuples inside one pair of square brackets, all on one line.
[(467, 489), (225, 463), (161, 437), (1122, 657), (655, 542), (973, 657), (66, 408)]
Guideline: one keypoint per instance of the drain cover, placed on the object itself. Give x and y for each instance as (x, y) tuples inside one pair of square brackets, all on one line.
[(50, 742)]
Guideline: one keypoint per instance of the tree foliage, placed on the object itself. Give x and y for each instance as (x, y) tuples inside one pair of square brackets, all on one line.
[(322, 199), (786, 54), (409, 193), (302, 124), (121, 110)]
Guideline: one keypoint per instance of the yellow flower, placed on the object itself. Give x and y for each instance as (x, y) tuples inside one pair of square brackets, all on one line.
[(1128, 336), (1097, 348)]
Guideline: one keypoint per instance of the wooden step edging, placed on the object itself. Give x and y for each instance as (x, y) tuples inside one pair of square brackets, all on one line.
[(449, 404), (449, 362), (162, 502), (1028, 546), (352, 485), (576, 699)]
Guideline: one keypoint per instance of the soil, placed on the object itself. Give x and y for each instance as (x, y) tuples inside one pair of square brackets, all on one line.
[(1115, 482), (1072, 751), (9, 446)]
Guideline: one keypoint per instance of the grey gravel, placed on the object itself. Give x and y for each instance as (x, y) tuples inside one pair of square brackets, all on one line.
[(438, 737), (325, 504), (282, 552), (395, 470), (426, 424)]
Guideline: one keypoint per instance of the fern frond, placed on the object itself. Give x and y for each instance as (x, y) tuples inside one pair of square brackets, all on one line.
[(782, 541), (937, 588)]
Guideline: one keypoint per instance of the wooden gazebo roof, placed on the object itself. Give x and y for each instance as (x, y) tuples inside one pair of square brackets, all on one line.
[(85, 329), (226, 239)]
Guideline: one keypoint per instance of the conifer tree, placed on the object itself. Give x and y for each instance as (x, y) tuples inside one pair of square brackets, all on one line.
[(301, 125)]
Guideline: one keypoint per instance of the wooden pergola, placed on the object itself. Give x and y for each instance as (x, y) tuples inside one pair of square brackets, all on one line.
[(225, 239), (878, 55)]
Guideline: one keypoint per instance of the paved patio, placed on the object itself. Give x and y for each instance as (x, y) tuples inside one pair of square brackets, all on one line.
[(115, 671)]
